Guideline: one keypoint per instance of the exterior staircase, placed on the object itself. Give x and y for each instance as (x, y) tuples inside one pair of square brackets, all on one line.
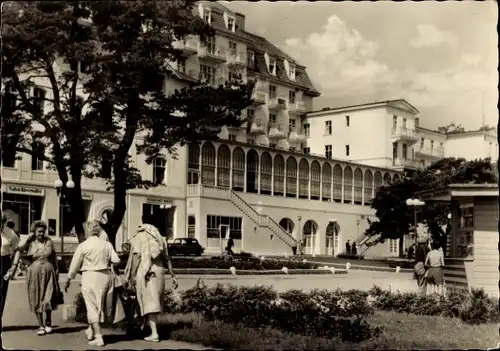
[(259, 219)]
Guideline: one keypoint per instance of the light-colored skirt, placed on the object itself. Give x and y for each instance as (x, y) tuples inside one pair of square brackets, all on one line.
[(43, 286), (151, 292), (96, 286)]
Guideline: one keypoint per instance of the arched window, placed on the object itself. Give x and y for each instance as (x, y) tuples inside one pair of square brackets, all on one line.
[(377, 182), (337, 183), (315, 180), (303, 179), (238, 169), (208, 164), (368, 187), (291, 177), (287, 224), (279, 175), (347, 185), (193, 163), (395, 177), (266, 173), (252, 171), (223, 166), (387, 178), (358, 186), (326, 182)]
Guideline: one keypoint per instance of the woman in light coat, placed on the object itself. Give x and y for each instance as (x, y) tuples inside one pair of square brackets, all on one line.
[(9, 245), (145, 270), (94, 257)]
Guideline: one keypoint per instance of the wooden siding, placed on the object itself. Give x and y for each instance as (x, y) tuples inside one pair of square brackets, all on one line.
[(486, 257), (486, 214)]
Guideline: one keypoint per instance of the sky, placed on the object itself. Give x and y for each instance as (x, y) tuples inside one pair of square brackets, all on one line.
[(441, 57)]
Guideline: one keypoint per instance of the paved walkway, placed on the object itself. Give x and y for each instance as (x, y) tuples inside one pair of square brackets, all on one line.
[(20, 324), (19, 329)]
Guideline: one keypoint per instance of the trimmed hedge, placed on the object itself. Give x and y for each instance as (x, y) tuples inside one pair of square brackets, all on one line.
[(473, 308)]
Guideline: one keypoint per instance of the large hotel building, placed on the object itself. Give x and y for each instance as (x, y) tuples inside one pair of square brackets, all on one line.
[(288, 175)]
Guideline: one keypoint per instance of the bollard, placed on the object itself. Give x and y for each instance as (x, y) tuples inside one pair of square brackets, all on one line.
[(285, 270), (233, 270), (286, 255), (304, 261), (332, 269), (348, 266), (262, 258), (398, 269)]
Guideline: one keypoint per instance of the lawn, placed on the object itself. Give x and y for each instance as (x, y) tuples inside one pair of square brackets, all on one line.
[(400, 331)]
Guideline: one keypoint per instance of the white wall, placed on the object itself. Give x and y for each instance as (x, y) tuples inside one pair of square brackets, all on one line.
[(472, 146)]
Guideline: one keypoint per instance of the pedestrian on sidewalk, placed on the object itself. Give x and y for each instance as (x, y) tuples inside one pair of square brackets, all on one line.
[(348, 248), (419, 268), (10, 243), (146, 271), (94, 258), (44, 293)]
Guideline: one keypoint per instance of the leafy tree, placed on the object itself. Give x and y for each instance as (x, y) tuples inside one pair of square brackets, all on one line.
[(105, 83), (396, 218)]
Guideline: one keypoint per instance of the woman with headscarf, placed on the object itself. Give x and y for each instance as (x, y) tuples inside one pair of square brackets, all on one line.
[(145, 270), (44, 294), (94, 258), (10, 243)]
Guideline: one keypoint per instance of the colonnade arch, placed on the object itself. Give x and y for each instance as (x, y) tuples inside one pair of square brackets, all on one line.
[(290, 176)]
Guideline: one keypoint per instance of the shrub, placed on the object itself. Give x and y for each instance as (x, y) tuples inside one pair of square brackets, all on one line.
[(319, 313), (473, 308), (240, 263), (350, 256)]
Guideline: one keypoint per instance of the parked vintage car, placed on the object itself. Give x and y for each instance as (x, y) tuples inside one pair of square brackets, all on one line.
[(185, 247)]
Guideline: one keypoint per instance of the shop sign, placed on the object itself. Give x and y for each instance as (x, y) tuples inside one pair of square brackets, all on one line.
[(158, 200), (87, 196), (25, 190)]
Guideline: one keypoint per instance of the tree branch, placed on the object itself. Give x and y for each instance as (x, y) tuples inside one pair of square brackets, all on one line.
[(38, 155), (55, 91)]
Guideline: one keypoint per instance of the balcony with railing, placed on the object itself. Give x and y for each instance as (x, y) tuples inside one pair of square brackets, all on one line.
[(188, 46), (298, 106), (211, 53), (257, 127), (259, 94), (428, 151), (276, 131), (277, 103), (403, 134), (406, 163), (193, 74), (297, 136), (236, 59)]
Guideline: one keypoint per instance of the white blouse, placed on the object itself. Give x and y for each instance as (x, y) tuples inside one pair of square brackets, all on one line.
[(10, 242)]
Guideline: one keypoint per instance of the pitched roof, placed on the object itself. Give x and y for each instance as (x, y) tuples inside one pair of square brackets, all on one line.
[(261, 45), (392, 103)]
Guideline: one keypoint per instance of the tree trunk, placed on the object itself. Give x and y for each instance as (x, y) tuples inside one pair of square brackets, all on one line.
[(401, 248), (77, 206)]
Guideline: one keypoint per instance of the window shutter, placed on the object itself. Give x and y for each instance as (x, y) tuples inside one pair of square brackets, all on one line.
[(226, 20), (266, 58), (287, 67)]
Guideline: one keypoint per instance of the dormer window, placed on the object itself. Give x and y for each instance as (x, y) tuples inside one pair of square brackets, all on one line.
[(231, 24), (272, 66), (251, 59), (291, 73), (207, 15)]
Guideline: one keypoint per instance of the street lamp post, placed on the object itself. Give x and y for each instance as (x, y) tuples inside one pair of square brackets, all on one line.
[(61, 193), (299, 218), (415, 204)]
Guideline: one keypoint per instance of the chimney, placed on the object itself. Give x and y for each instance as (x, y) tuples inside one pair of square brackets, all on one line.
[(417, 122), (240, 21)]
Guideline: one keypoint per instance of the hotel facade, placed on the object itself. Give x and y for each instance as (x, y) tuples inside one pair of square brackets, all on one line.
[(269, 184)]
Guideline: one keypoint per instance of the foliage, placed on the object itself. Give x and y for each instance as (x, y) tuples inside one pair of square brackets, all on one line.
[(105, 82), (395, 217), (473, 308), (318, 313), (350, 256), (400, 332)]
